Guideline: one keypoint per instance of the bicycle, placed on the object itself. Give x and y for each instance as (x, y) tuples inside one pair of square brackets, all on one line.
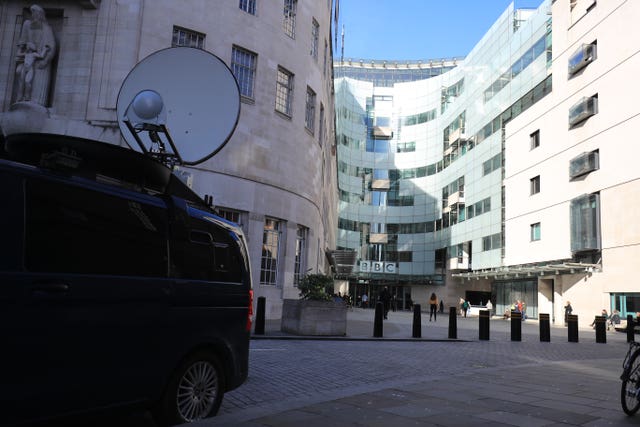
[(630, 391)]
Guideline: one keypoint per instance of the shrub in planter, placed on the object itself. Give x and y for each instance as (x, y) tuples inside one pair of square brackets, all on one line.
[(315, 313)]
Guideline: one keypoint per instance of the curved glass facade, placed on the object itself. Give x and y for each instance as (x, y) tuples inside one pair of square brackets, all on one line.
[(420, 161)]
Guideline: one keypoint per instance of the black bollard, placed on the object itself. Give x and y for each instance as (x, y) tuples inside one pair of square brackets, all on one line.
[(453, 323), (545, 327), (516, 326), (260, 309), (601, 329), (483, 331), (377, 321), (630, 328), (572, 327), (417, 322)]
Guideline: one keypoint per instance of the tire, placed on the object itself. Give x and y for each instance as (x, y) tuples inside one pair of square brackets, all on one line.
[(194, 391), (629, 396)]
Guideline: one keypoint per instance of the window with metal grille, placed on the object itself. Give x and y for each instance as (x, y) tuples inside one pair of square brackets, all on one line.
[(289, 22), (248, 6), (243, 65), (300, 265), (310, 110), (315, 38), (284, 91), (270, 248), (188, 38)]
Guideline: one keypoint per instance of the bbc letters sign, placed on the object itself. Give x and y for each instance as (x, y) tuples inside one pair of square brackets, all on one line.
[(377, 267)]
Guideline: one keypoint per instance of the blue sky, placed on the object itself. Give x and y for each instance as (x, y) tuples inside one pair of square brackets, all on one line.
[(417, 29)]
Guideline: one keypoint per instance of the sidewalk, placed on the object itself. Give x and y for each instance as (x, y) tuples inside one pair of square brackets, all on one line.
[(434, 381), (399, 326)]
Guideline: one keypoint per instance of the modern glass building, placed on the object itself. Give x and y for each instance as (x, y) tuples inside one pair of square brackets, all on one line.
[(421, 163)]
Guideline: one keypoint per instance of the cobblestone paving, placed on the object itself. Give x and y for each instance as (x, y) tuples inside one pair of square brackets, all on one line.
[(282, 371)]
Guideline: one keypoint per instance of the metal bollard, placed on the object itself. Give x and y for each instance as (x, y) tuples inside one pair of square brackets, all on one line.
[(260, 310), (453, 323), (483, 327), (417, 322), (630, 328), (545, 327), (572, 327), (601, 329), (516, 326), (377, 321)]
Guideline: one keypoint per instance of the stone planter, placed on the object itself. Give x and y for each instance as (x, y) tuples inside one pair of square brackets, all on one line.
[(305, 317)]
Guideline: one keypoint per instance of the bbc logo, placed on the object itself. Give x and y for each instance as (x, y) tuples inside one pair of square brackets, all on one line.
[(377, 267)]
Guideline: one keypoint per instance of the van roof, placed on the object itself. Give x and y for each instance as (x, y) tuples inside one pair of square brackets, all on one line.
[(92, 159)]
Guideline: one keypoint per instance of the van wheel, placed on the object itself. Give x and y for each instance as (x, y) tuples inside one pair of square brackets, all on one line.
[(194, 391)]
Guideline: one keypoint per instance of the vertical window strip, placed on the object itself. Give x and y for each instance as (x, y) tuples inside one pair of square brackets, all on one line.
[(284, 90), (310, 110), (289, 23), (301, 254), (270, 249), (315, 39), (243, 65)]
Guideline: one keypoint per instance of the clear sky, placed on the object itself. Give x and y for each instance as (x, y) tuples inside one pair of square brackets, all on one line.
[(417, 29)]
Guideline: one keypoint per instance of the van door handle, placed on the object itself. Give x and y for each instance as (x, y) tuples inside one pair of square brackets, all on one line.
[(49, 289)]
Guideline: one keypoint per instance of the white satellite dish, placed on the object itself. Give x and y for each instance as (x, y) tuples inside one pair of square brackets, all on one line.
[(189, 92)]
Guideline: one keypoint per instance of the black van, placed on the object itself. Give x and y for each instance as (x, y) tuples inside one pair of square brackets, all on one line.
[(118, 286)]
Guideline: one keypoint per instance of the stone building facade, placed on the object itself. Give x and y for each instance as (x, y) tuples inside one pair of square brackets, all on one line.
[(275, 177)]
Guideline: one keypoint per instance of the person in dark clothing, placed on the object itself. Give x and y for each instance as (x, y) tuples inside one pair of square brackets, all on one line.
[(441, 307), (385, 297), (567, 311)]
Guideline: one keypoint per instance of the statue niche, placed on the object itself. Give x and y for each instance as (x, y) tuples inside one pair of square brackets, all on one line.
[(36, 51)]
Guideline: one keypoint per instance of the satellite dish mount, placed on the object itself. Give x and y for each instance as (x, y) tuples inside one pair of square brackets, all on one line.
[(146, 113)]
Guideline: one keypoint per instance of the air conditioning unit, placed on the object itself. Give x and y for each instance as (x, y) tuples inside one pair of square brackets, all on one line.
[(582, 57), (583, 164), (583, 109)]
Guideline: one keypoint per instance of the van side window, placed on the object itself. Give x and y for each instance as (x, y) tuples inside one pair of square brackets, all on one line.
[(71, 229), (11, 222)]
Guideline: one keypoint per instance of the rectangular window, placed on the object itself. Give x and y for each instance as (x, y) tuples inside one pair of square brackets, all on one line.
[(289, 22), (188, 38), (534, 185), (310, 110), (300, 265), (270, 249), (324, 60), (243, 66), (583, 109), (284, 91), (321, 126), (315, 38), (582, 57), (535, 231), (492, 242), (585, 223), (229, 215), (584, 163), (534, 138), (248, 6)]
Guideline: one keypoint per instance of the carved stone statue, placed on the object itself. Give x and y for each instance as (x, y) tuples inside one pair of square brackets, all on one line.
[(36, 51)]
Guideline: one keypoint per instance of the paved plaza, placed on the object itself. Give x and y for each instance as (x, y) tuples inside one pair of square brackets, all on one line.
[(358, 380)]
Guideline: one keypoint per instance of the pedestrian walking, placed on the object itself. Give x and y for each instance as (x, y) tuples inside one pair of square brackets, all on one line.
[(567, 311), (433, 306), (365, 300), (441, 307)]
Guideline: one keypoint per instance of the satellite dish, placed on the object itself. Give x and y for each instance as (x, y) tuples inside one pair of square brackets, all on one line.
[(189, 92)]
